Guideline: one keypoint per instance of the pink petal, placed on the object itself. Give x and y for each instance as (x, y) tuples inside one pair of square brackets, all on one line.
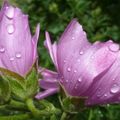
[(52, 49), (46, 93), (50, 79), (106, 86)]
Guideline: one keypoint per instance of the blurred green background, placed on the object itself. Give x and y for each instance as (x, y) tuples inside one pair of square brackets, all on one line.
[(100, 19)]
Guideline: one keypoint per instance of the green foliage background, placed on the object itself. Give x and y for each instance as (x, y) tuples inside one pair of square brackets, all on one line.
[(100, 19)]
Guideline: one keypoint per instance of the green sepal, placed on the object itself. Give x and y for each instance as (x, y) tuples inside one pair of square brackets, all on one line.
[(5, 90), (71, 104), (17, 83), (31, 82)]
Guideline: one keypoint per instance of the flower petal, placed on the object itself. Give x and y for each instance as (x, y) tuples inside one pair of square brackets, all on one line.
[(73, 39), (46, 93), (79, 75), (107, 85), (51, 48), (50, 79)]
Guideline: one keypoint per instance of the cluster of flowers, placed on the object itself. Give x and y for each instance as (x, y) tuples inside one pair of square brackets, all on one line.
[(86, 70)]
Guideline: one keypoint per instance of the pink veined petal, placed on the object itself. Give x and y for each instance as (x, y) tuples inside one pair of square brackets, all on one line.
[(106, 87), (36, 36), (50, 79), (79, 75), (51, 48), (47, 73), (48, 83), (35, 41), (73, 39), (14, 55), (46, 93)]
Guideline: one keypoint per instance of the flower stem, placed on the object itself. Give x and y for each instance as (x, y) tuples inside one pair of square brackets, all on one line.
[(64, 115), (16, 117)]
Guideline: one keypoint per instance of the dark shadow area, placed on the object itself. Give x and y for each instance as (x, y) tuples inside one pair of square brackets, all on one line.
[(111, 8)]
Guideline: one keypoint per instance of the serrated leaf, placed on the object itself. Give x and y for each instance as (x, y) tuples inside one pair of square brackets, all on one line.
[(17, 82), (32, 82), (12, 74), (17, 88), (5, 90)]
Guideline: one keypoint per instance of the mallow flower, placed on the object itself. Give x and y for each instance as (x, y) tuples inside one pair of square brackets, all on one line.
[(86, 70), (18, 48)]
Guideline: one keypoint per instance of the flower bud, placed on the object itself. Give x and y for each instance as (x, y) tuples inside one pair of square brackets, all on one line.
[(18, 49)]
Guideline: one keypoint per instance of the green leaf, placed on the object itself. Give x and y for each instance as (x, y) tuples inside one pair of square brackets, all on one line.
[(5, 90), (12, 74), (17, 83), (53, 117), (17, 88), (32, 82), (16, 117)]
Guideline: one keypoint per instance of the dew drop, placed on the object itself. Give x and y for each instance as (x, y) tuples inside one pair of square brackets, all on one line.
[(73, 38), (105, 95), (115, 88), (110, 41), (10, 28), (84, 33), (64, 61), (97, 42), (79, 80), (68, 69), (78, 60), (2, 49), (81, 52), (67, 81), (75, 71), (9, 12), (18, 55), (114, 47), (12, 58)]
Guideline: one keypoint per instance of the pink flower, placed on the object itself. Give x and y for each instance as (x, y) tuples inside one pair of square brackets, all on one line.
[(18, 49), (85, 69)]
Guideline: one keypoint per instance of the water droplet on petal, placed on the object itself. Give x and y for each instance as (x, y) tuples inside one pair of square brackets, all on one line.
[(73, 38), (81, 52), (105, 95), (84, 33), (2, 49), (75, 71), (64, 61), (110, 41), (79, 80), (10, 28), (67, 81), (9, 12), (78, 60), (114, 47), (12, 58), (113, 79), (18, 55), (115, 88), (97, 42), (68, 69)]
